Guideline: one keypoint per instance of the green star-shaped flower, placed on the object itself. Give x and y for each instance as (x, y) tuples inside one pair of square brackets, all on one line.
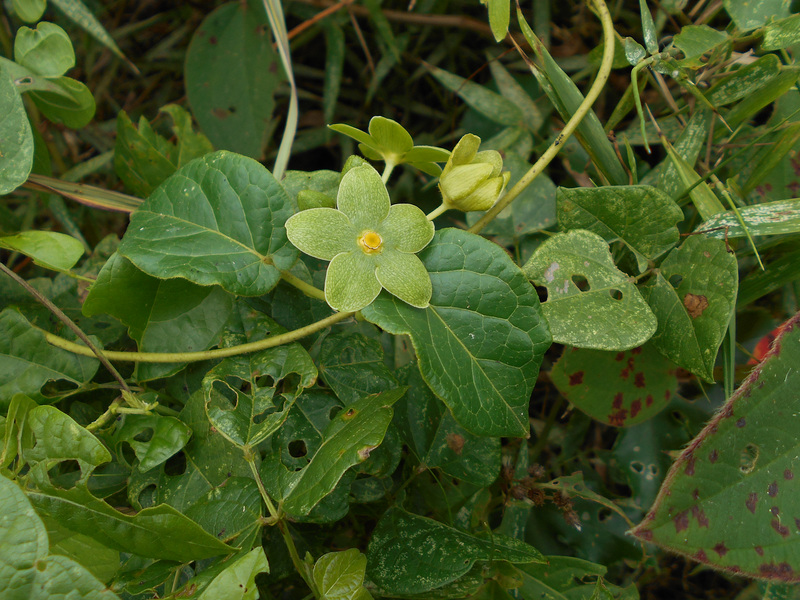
[(370, 243)]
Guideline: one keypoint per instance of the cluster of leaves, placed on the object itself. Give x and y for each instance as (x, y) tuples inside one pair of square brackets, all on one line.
[(184, 413)]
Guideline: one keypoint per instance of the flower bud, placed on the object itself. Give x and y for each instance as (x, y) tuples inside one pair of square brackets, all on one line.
[(472, 180)]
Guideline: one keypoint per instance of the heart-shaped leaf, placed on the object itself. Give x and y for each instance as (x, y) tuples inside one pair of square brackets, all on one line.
[(340, 575), (487, 316), (16, 137), (609, 314), (693, 295), (218, 220), (730, 499), (616, 388), (641, 217)]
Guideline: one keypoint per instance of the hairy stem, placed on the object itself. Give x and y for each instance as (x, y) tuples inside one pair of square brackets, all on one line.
[(569, 128), (171, 357)]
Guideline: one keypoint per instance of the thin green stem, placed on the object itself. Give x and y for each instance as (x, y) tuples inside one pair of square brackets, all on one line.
[(387, 172), (170, 357), (306, 288), (91, 349), (438, 211), (569, 128), (299, 565), (637, 101)]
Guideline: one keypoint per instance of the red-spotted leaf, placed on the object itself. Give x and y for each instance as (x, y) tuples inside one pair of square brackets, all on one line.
[(731, 498), (616, 388)]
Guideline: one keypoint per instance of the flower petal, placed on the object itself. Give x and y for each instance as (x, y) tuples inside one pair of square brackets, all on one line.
[(390, 135), (321, 232), (363, 197), (406, 228), (463, 180), (405, 276), (350, 284)]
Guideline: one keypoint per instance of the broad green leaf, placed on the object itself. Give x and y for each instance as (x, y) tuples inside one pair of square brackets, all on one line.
[(100, 561), (157, 532), (48, 249), (348, 439), (769, 218), (755, 13), (172, 315), (430, 431), (241, 395), (71, 105), (237, 581), (693, 295), (57, 438), (568, 578), (728, 500), (218, 220), (231, 74), (77, 11), (27, 361), (487, 315), (566, 97), (232, 512), (340, 575), (616, 388), (16, 137), (609, 314), (166, 436), (499, 17), (141, 156), (29, 11), (352, 366), (27, 570), (490, 104), (688, 146), (781, 34), (533, 210), (410, 554), (46, 50), (774, 89), (641, 217), (696, 40)]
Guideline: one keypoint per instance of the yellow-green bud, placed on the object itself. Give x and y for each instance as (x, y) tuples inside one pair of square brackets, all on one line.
[(472, 180)]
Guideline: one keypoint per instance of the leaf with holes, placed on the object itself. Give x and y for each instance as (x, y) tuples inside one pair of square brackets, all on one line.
[(730, 499), (348, 440), (166, 436), (240, 392), (641, 217), (616, 388), (609, 314), (481, 340), (693, 295), (217, 221), (410, 554)]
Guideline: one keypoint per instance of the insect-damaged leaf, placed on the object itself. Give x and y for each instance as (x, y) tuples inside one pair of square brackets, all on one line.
[(481, 340), (616, 388), (693, 295), (609, 314), (731, 499), (641, 217)]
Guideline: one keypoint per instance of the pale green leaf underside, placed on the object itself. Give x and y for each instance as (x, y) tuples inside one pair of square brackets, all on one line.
[(481, 340)]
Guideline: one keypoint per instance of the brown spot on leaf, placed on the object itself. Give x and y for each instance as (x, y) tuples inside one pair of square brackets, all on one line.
[(741, 423), (797, 523), (646, 535), (772, 489), (638, 380), (649, 400), (220, 113), (455, 442), (750, 503), (576, 378), (721, 549), (617, 419), (700, 516), (779, 527), (759, 550), (636, 407), (707, 254), (695, 494), (701, 556), (617, 403), (212, 40), (713, 456), (775, 510), (695, 304), (787, 474), (776, 571), (681, 521), (619, 356), (637, 350), (690, 465)]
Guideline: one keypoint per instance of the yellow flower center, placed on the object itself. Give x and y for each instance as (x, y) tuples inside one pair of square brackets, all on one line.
[(370, 242)]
